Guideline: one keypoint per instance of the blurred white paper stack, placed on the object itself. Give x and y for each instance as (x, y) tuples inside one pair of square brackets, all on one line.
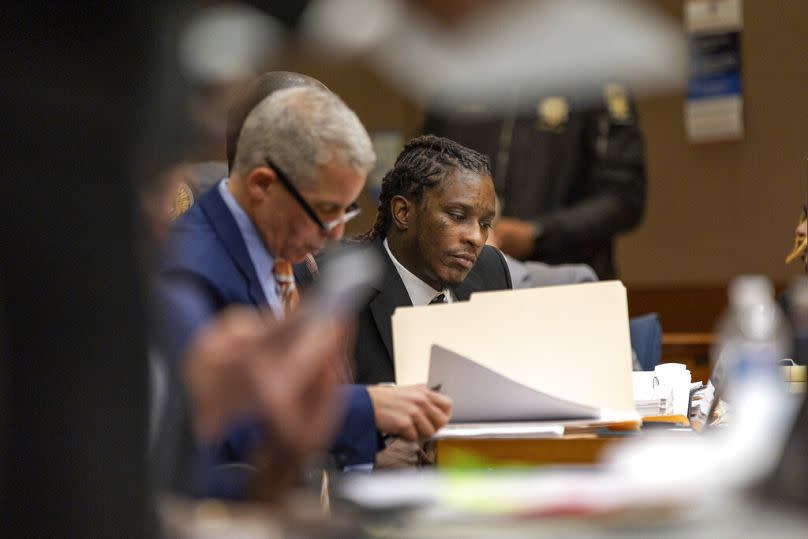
[(663, 391)]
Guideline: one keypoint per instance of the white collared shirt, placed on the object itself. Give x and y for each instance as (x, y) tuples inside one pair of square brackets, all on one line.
[(420, 293)]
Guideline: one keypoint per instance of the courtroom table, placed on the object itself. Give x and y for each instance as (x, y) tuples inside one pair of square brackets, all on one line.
[(567, 449), (580, 445)]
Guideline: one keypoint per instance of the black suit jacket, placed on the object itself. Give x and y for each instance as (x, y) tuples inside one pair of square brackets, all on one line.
[(374, 340)]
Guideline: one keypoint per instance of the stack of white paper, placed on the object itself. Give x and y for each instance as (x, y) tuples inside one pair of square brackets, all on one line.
[(664, 391), (646, 400)]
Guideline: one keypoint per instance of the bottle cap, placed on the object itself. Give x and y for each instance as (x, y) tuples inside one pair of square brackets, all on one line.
[(750, 290)]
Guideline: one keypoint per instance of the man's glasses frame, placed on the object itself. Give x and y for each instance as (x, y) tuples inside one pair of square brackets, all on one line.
[(325, 226)]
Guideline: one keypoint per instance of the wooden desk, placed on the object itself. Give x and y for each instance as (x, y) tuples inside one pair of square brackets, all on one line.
[(582, 446), (481, 452)]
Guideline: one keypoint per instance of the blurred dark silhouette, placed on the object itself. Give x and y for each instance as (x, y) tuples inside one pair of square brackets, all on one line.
[(85, 92)]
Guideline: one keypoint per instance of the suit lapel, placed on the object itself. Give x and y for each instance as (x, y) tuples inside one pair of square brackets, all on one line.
[(392, 294), (226, 228)]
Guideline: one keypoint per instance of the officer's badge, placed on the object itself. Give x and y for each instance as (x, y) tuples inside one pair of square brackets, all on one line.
[(183, 199), (552, 113), (617, 102)]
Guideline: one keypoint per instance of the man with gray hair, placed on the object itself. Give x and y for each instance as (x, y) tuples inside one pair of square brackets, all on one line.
[(299, 142), (301, 161)]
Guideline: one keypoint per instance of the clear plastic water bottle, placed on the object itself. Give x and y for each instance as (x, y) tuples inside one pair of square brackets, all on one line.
[(752, 337)]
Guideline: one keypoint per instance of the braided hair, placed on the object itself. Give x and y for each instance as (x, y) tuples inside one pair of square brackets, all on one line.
[(424, 162)]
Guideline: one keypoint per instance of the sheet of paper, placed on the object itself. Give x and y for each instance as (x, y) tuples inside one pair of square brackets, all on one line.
[(646, 401), (642, 383), (570, 342), (480, 394), (521, 429)]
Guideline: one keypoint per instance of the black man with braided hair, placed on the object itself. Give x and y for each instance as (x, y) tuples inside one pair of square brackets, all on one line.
[(435, 211)]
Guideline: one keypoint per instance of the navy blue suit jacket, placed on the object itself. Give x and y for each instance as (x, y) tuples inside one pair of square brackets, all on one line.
[(208, 269)]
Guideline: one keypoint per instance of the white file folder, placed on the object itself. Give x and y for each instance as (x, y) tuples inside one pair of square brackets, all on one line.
[(567, 342)]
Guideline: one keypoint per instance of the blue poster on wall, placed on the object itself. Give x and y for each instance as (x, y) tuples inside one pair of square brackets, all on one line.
[(715, 66), (714, 108)]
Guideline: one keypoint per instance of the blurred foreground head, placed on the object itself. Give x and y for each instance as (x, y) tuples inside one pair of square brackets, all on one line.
[(454, 52)]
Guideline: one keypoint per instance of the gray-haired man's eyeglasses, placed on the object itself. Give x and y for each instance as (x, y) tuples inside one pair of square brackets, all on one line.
[(325, 226)]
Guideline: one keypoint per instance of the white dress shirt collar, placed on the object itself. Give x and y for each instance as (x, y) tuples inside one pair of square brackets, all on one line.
[(420, 293)]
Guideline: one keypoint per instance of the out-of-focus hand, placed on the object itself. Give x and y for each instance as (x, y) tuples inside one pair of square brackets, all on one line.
[(413, 413), (244, 362), (515, 237), (215, 376), (296, 383)]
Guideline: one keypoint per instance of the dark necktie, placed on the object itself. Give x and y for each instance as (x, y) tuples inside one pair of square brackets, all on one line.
[(440, 298)]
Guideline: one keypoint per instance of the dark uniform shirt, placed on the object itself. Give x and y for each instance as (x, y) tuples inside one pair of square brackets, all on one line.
[(577, 172)]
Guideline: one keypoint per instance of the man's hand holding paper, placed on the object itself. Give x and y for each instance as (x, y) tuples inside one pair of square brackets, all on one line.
[(414, 412)]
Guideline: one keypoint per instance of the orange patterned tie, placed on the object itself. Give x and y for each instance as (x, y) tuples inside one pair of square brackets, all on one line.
[(285, 280)]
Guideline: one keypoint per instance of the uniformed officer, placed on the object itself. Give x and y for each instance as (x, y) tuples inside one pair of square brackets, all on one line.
[(570, 176)]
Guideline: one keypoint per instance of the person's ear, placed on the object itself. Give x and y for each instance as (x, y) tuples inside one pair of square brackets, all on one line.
[(259, 181), (402, 211)]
